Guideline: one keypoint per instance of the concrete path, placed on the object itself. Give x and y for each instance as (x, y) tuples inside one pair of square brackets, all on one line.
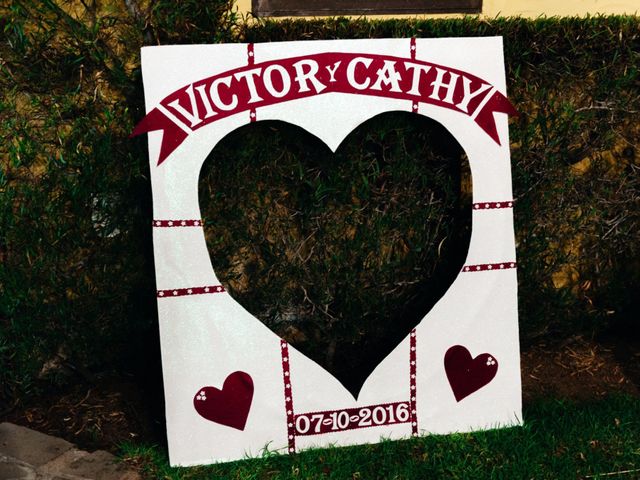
[(29, 455)]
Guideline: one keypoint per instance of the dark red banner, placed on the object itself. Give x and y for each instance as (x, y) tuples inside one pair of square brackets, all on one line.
[(257, 85)]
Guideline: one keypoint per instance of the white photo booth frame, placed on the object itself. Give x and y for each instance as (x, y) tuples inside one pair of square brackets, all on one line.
[(232, 386)]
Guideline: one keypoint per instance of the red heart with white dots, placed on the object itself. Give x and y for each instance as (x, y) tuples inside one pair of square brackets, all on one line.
[(466, 374), (227, 406)]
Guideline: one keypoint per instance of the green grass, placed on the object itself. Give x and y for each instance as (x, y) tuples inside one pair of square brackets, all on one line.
[(560, 440)]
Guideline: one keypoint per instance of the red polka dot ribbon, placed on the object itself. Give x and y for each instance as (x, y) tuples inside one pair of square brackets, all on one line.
[(483, 267), (288, 396), (182, 292), (412, 383), (176, 223), (492, 205)]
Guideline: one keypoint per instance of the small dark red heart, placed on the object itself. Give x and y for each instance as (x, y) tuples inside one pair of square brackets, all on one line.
[(466, 374), (229, 406)]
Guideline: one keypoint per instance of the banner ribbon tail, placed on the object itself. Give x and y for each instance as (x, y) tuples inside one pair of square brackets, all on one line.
[(172, 134), (498, 103)]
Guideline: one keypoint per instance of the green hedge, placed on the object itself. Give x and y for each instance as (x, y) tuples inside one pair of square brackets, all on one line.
[(76, 269)]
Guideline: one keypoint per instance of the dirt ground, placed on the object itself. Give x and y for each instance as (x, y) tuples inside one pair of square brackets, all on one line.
[(118, 409), (581, 369)]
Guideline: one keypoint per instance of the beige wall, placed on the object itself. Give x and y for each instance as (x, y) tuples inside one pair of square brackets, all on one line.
[(532, 8)]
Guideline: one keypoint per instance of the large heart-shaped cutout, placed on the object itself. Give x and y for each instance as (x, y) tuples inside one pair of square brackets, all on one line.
[(466, 374), (227, 406), (339, 254)]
